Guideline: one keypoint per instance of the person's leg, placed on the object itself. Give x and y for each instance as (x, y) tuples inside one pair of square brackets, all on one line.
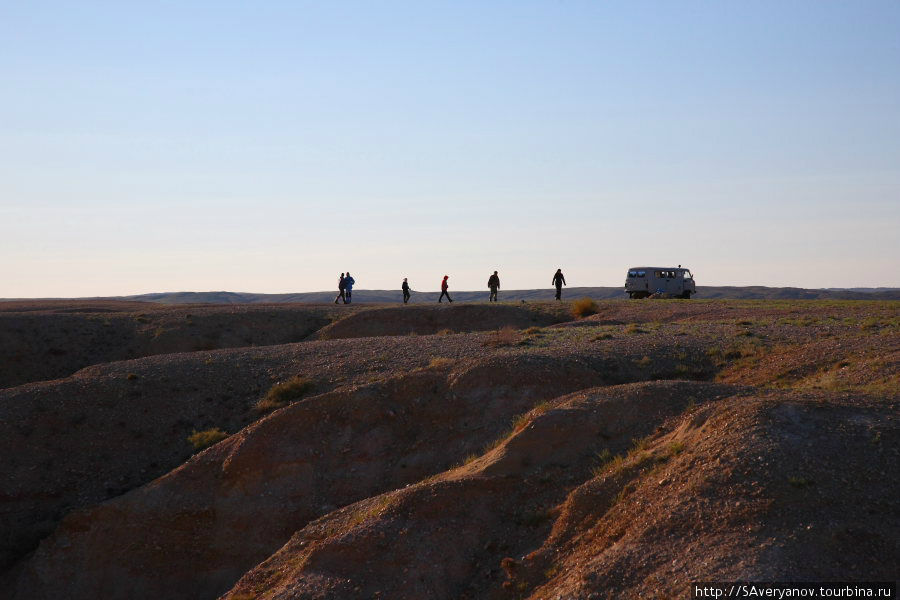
[(449, 299)]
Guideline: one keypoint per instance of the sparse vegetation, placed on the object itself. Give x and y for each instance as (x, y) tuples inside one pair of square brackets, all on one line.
[(644, 361), (633, 328), (441, 362), (584, 307), (131, 376), (285, 392), (675, 448), (507, 336), (201, 440), (800, 482)]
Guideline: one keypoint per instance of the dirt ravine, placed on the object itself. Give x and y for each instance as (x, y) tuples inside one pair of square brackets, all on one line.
[(49, 340), (473, 451)]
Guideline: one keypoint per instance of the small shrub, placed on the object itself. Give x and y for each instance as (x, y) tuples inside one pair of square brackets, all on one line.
[(584, 307), (644, 361), (507, 336), (204, 439), (285, 392), (605, 458), (440, 362), (131, 376), (676, 448), (533, 330), (640, 444), (633, 328), (602, 336), (445, 332), (870, 323)]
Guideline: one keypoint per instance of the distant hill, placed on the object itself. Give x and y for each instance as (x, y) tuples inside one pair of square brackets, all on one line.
[(379, 296), (599, 293)]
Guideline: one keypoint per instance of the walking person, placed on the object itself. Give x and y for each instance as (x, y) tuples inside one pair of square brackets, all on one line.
[(444, 291), (494, 284), (340, 295), (348, 287), (405, 288), (559, 280)]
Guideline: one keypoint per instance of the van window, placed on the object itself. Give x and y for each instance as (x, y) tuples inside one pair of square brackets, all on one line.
[(642, 273), (687, 275), (659, 274), (636, 273)]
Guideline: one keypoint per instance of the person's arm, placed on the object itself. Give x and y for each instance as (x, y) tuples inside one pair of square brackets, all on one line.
[(564, 280)]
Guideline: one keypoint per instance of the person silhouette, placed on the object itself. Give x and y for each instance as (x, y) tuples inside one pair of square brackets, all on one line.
[(405, 288), (340, 295), (348, 287), (559, 280), (494, 284), (444, 291)]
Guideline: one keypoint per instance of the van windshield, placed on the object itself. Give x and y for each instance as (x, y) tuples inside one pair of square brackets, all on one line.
[(687, 275)]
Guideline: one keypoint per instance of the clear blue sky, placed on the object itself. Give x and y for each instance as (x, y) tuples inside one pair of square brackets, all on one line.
[(269, 146)]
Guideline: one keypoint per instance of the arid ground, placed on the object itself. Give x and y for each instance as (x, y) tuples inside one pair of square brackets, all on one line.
[(468, 451)]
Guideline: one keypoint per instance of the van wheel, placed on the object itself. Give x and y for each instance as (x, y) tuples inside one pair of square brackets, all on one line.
[(686, 295)]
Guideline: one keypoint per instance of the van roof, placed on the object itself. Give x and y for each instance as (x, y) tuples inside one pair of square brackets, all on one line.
[(658, 269)]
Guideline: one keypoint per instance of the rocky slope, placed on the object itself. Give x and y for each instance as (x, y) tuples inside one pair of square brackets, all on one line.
[(618, 455)]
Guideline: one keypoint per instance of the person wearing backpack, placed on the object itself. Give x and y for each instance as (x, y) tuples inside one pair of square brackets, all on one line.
[(494, 285), (559, 280), (340, 295), (348, 287), (444, 291), (405, 288)]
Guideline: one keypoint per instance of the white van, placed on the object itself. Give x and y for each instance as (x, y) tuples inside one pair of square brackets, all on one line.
[(674, 281)]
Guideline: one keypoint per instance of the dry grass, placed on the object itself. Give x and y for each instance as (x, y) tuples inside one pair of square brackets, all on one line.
[(508, 336), (584, 307), (440, 362), (204, 439), (285, 392)]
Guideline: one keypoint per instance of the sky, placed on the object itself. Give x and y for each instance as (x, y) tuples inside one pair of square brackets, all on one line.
[(267, 147)]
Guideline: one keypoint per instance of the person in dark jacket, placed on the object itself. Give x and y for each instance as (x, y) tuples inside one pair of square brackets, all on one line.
[(348, 287), (405, 288), (494, 284), (340, 295), (559, 280), (444, 291)]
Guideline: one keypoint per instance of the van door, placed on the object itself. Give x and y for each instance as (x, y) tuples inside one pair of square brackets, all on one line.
[(679, 283)]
